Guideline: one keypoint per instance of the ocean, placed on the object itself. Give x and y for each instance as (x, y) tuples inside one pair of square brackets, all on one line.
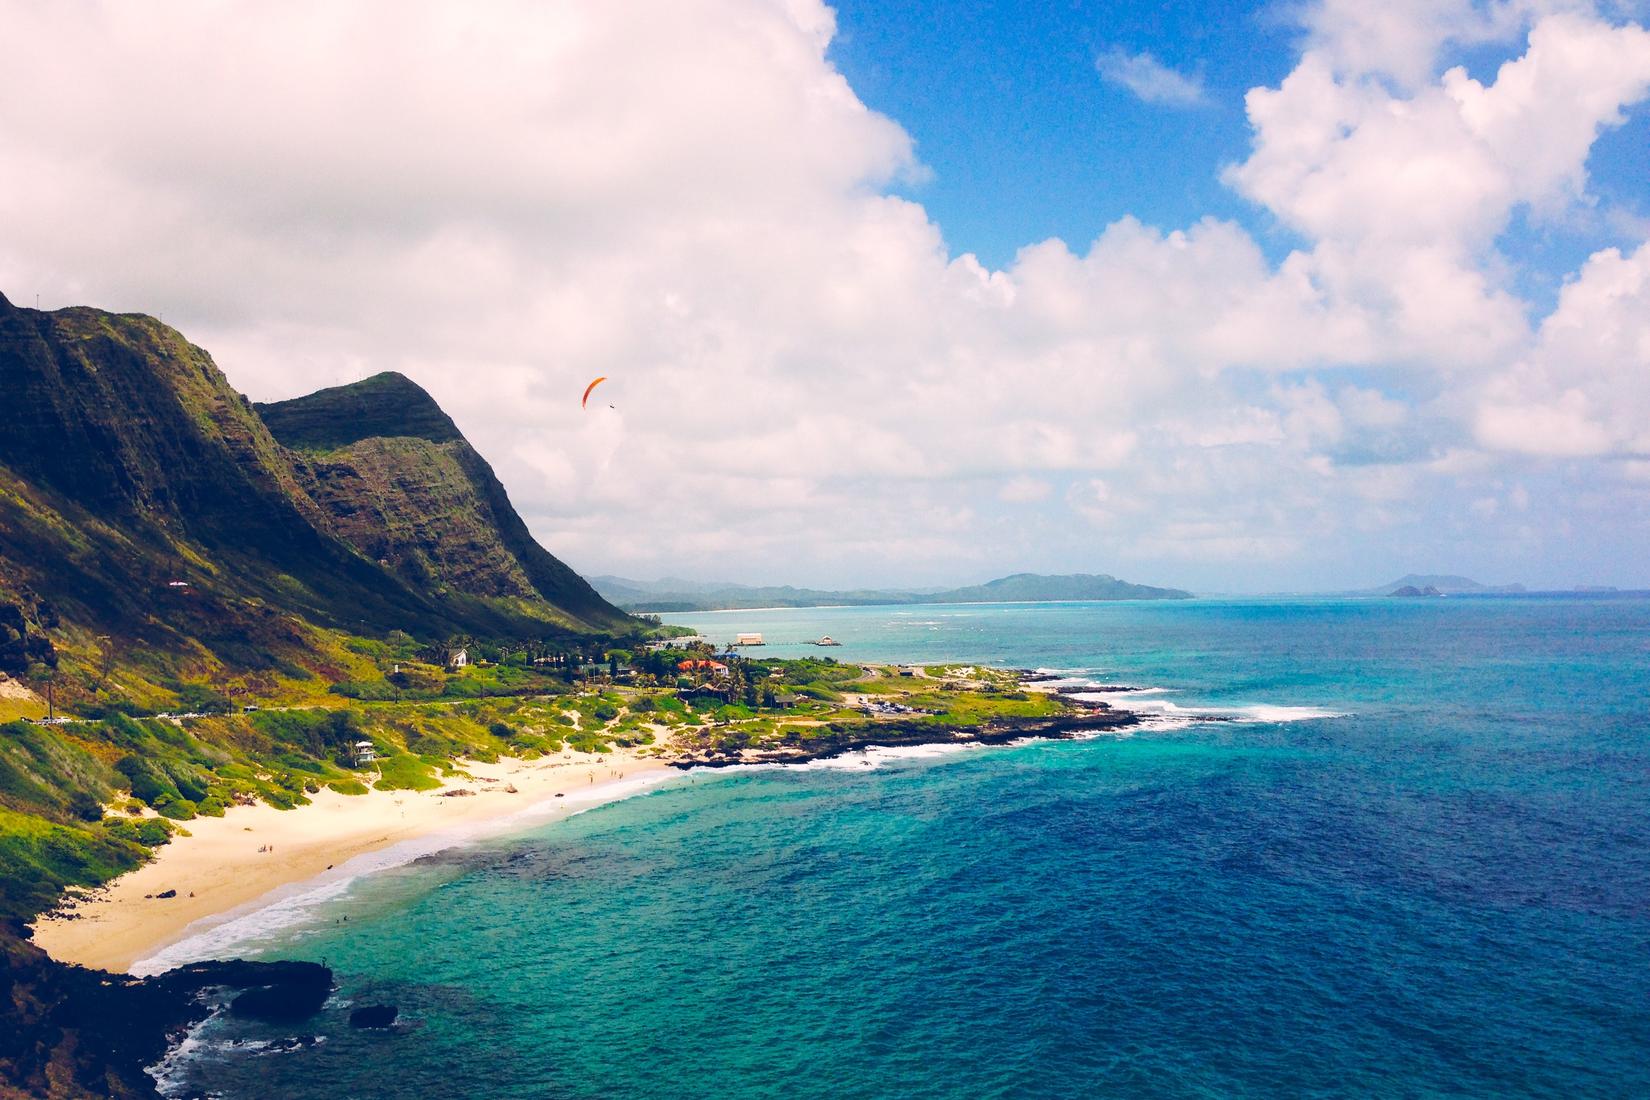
[(1363, 847)]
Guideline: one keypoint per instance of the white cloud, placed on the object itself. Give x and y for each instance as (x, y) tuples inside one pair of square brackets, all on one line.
[(808, 385), (1149, 79), (1024, 490), (1584, 389), (1401, 39)]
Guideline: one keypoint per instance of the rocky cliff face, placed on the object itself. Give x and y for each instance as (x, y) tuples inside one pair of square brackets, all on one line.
[(392, 476), (143, 498)]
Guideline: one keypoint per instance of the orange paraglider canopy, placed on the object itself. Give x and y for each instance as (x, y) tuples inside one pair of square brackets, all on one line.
[(585, 401)]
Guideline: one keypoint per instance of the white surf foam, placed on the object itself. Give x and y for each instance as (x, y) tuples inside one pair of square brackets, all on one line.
[(878, 756), (1145, 703), (171, 1073)]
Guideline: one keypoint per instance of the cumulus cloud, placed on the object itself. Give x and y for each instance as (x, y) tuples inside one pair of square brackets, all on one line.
[(1149, 79), (1401, 40), (1584, 389), (808, 384)]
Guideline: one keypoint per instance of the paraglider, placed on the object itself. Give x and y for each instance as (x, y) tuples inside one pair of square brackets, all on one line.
[(585, 402)]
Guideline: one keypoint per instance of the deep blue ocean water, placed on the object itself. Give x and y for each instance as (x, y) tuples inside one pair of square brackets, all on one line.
[(1445, 890)]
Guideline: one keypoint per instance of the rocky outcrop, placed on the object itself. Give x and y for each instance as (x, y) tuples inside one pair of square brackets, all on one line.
[(373, 1016), (822, 743), (23, 641), (69, 1031)]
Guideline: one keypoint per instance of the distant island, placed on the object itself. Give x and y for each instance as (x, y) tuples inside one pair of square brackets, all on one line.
[(1438, 584), (675, 595)]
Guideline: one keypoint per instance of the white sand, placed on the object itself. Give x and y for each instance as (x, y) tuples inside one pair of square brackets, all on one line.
[(219, 867)]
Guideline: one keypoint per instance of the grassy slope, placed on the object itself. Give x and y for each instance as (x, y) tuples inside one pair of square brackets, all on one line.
[(79, 803)]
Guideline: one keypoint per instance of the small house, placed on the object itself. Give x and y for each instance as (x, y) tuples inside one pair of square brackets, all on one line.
[(786, 699), (748, 639), (714, 668), (365, 753), (458, 658)]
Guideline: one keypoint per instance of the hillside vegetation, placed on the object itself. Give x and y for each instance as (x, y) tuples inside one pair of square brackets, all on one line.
[(287, 578)]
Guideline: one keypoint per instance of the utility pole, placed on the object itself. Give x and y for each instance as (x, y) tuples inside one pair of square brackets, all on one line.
[(51, 701)]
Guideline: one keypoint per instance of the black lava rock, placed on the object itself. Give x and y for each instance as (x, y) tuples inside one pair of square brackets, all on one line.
[(374, 1016)]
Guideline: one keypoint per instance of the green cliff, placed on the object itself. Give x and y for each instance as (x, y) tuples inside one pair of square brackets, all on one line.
[(151, 520), (392, 476)]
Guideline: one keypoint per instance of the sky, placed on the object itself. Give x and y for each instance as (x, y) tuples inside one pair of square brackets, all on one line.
[(1290, 296)]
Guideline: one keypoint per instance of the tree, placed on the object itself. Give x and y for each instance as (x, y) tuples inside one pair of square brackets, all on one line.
[(41, 673)]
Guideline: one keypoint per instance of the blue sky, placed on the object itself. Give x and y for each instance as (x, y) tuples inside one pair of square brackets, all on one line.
[(1026, 141)]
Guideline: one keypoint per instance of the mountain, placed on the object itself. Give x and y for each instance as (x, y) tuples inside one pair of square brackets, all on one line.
[(1028, 587), (151, 514), (1441, 584), (393, 478), (676, 595)]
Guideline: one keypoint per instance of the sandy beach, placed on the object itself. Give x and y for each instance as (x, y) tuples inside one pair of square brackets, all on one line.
[(228, 864)]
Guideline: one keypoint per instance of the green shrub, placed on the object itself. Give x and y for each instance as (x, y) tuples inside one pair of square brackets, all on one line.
[(190, 783), (151, 832), (148, 783), (405, 772), (202, 699), (41, 857), (377, 691), (85, 807), (178, 809)]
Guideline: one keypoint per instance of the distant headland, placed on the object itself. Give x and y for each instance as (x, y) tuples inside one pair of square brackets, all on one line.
[(675, 595)]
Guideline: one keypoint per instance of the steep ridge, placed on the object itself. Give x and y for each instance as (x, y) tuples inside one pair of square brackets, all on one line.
[(142, 499), (391, 475), (137, 443)]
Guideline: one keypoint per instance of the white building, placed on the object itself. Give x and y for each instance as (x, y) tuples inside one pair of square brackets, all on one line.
[(458, 658), (749, 639)]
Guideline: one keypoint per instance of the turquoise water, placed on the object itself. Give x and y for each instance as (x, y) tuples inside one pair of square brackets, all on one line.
[(1443, 891)]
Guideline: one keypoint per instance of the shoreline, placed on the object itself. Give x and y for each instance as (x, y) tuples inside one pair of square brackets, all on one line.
[(221, 874), (257, 856)]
